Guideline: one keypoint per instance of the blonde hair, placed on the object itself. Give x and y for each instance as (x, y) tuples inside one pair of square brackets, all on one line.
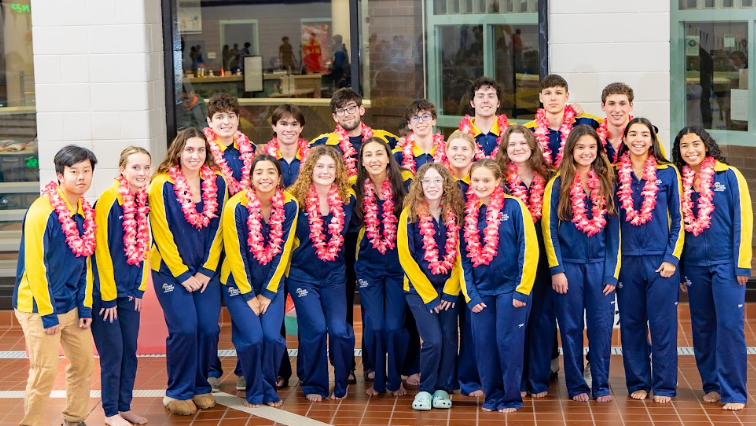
[(301, 187), (462, 135), (126, 153)]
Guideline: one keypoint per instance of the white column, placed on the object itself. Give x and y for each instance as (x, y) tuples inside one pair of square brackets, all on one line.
[(99, 80), (340, 20), (595, 42)]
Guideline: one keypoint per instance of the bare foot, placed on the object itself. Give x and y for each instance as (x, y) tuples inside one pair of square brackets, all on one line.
[(276, 404), (116, 420), (371, 375), (507, 410), (400, 392), (662, 399), (712, 397), (336, 398), (605, 398), (248, 405), (414, 380), (733, 406), (583, 397), (477, 393), (314, 397), (539, 394), (132, 417), (639, 394), (486, 409), (371, 391), (523, 394)]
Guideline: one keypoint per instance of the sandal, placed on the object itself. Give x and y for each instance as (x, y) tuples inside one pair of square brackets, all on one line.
[(441, 399), (366, 374), (352, 379), (422, 401)]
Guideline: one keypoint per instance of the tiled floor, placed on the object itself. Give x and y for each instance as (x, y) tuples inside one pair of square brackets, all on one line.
[(358, 409)]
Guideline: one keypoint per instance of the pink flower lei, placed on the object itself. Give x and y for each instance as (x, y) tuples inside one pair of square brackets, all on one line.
[(577, 196), (466, 126), (603, 132), (408, 156), (184, 196), (256, 241), (136, 233), (372, 225), (537, 188), (439, 265), (273, 147), (624, 172), (541, 133), (693, 224), (330, 251), (80, 245), (350, 154), (483, 255), (247, 155)]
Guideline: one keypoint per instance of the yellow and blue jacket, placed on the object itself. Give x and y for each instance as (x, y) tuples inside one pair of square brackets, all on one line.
[(50, 279), (513, 269), (240, 270), (464, 185), (728, 238), (332, 139), (179, 249), (565, 243), (232, 155), (555, 136), (418, 278), (487, 141), (537, 224), (421, 157), (305, 264), (113, 276), (664, 234), (289, 171)]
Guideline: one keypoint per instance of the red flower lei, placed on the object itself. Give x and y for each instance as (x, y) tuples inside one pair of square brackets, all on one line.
[(444, 265), (483, 255), (326, 252), (408, 156), (624, 172), (350, 154), (541, 133), (136, 233), (372, 226), (466, 126), (577, 196), (247, 155), (693, 224), (184, 196), (80, 245), (603, 132), (537, 188), (273, 147), (256, 241)]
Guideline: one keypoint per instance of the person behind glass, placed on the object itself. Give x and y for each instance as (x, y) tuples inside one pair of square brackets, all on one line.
[(486, 127), (581, 232), (617, 103), (648, 197), (715, 263), (120, 277), (347, 111), (499, 270), (233, 152), (317, 278), (525, 176), (287, 146), (258, 225), (380, 191), (421, 146), (186, 201), (193, 109), (429, 254), (52, 298)]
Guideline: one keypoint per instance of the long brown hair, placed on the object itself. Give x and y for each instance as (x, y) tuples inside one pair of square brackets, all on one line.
[(450, 200), (568, 170), (301, 187), (173, 156), (535, 162), (655, 149), (393, 174)]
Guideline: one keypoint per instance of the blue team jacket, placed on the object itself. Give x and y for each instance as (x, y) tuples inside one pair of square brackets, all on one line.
[(233, 158), (555, 136)]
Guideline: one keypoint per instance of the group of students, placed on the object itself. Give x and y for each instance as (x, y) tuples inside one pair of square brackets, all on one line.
[(476, 245)]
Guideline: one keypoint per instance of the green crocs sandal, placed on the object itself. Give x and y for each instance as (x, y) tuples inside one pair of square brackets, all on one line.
[(441, 399), (422, 402)]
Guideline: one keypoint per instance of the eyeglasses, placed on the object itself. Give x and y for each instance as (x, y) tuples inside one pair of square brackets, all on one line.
[(424, 117), (428, 182), (348, 110)]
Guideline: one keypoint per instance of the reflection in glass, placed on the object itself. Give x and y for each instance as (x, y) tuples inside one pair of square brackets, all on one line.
[(516, 67), (461, 54)]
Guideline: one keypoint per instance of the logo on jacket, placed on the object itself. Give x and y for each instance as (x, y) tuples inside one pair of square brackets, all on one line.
[(688, 282), (619, 284), (233, 291), (301, 292), (719, 187), (504, 217), (167, 288), (363, 283), (658, 182)]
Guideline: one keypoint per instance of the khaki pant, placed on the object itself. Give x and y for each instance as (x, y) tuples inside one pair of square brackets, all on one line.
[(43, 359)]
